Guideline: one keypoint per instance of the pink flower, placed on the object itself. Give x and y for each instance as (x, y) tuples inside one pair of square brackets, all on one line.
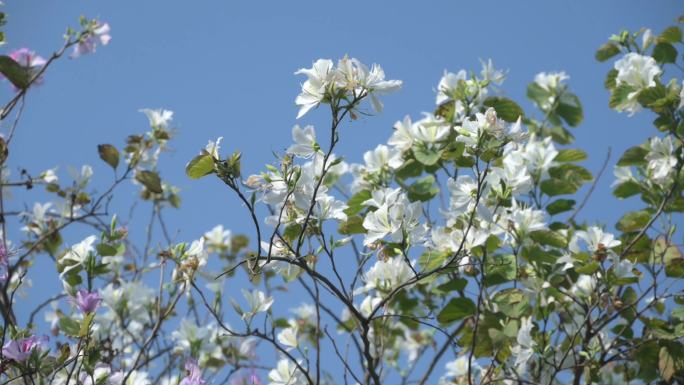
[(20, 350), (194, 376), (87, 301), (100, 35), (246, 379), (29, 60)]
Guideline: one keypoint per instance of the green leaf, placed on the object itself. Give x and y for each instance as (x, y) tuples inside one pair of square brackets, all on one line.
[(634, 156), (537, 94), (150, 180), (607, 51), (512, 302), (553, 187), (4, 151), (627, 189), (588, 268), (456, 309), (292, 232), (505, 108), (549, 238), (570, 155), (570, 109), (105, 250), (446, 110), (666, 364), (19, 75), (559, 134), (410, 169), (109, 154), (457, 284), (353, 225), (355, 203), (671, 35), (560, 206), (500, 269), (85, 326), (619, 95), (664, 53), (610, 82), (199, 166), (426, 156), (633, 221), (69, 326), (432, 259), (565, 179), (423, 190), (675, 268), (650, 95)]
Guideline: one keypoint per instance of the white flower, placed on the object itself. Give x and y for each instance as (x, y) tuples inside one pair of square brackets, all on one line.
[(288, 336), (661, 160), (402, 138), (524, 350), (286, 373), (471, 130), (595, 239), (78, 254), (258, 302), (327, 207), (463, 191), (38, 216), (430, 129), (159, 118), (552, 81), (100, 375), (386, 275), (638, 72), (525, 219), (647, 39), (137, 377), (457, 367), (395, 216), (622, 175), (452, 241), (314, 89), (379, 224), (305, 311), (448, 85), (382, 157), (188, 335), (196, 251), (622, 268), (490, 73), (553, 84), (305, 142), (218, 238), (212, 148), (514, 175), (354, 75), (585, 285), (49, 176), (81, 177), (537, 155)]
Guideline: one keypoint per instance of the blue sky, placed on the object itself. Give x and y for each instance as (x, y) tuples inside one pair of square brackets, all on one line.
[(226, 69)]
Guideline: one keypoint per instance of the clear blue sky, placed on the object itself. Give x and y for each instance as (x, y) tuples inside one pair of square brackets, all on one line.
[(226, 69)]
